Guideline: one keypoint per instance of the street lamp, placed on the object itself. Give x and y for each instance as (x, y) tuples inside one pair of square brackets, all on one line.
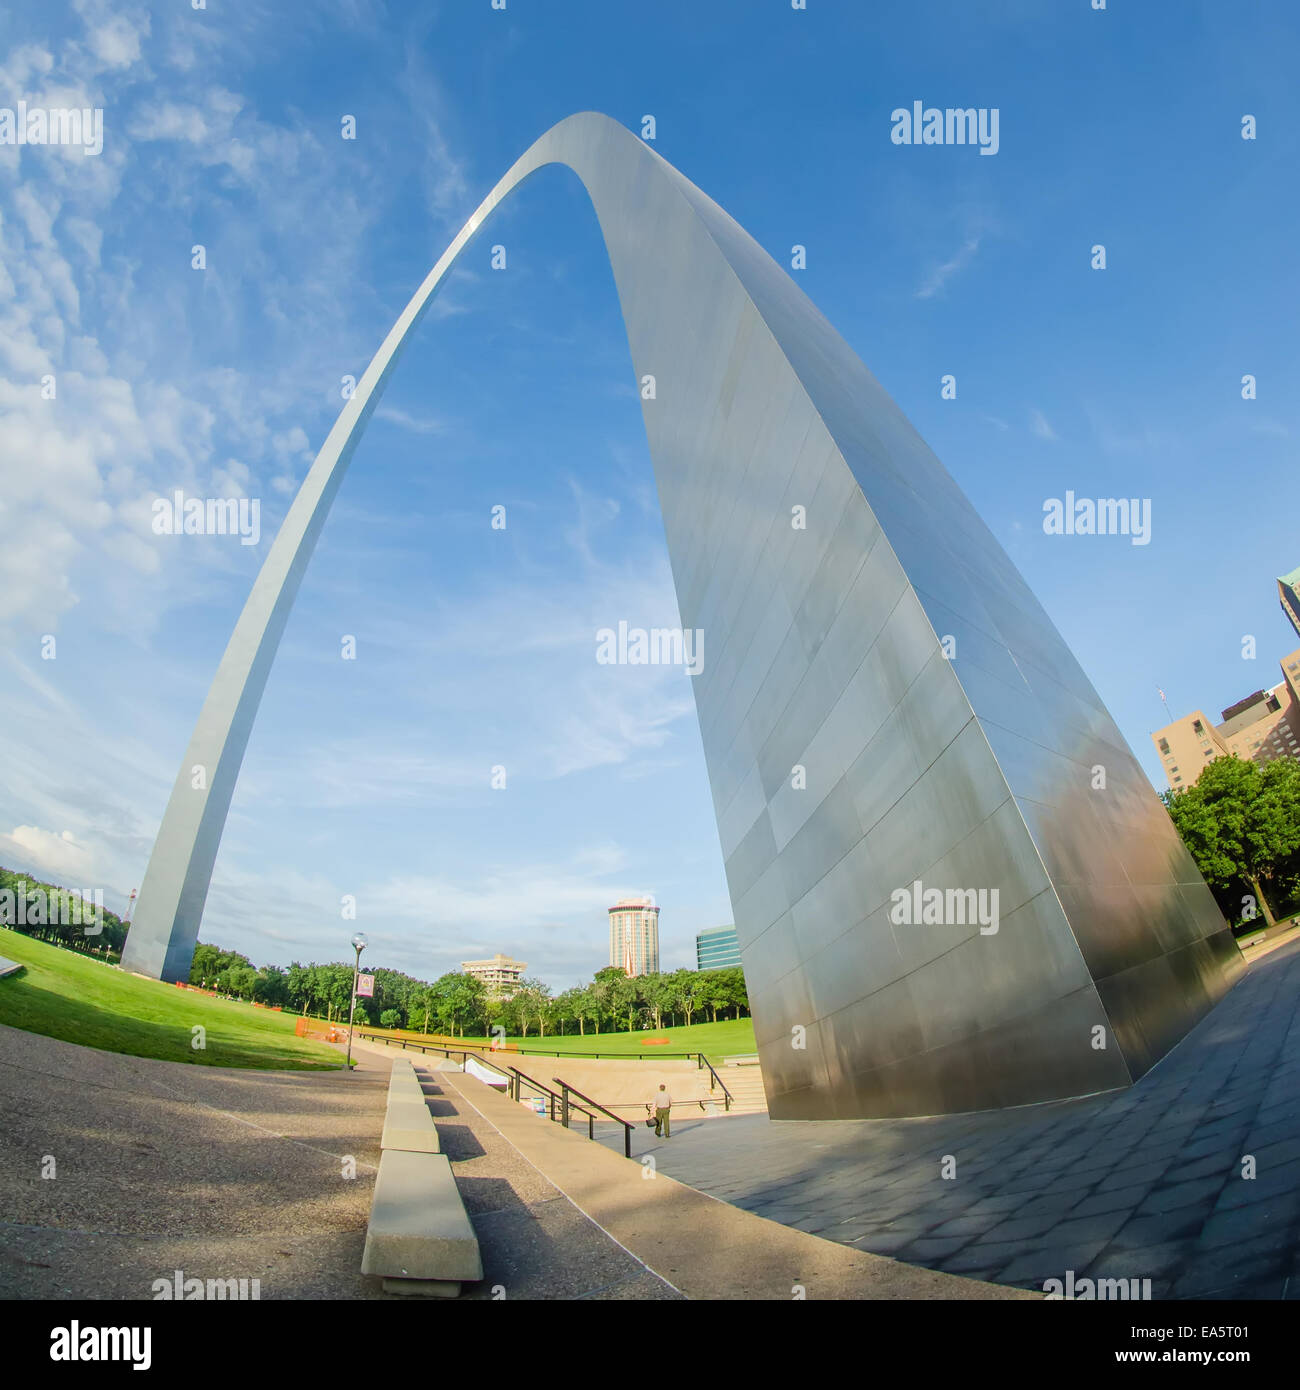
[(359, 945)]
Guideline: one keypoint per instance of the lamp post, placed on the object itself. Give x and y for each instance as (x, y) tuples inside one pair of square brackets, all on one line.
[(359, 945)]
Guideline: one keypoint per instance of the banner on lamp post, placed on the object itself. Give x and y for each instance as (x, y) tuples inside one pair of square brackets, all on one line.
[(366, 986)]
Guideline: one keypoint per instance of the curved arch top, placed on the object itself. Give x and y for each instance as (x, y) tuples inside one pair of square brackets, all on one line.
[(856, 763)]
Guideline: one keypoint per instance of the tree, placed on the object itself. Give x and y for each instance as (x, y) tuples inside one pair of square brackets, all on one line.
[(298, 985), (606, 990), (729, 983), (687, 984), (710, 993), (529, 1006), (239, 980), (625, 998), (204, 965), (563, 1008), (1242, 822), (660, 995), (584, 1008), (458, 1000), (390, 1018), (271, 986), (422, 1003)]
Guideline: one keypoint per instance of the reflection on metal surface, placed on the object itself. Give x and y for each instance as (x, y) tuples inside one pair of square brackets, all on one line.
[(825, 551)]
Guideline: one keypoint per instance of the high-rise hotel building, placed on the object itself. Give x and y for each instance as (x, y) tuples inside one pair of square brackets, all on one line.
[(634, 936)]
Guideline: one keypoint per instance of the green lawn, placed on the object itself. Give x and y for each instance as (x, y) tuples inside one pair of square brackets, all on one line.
[(726, 1039), (65, 995)]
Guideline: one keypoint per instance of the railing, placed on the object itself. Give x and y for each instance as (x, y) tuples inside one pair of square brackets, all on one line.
[(566, 1091), (652, 1054), (701, 1063), (554, 1097), (449, 1052), (715, 1079), (514, 1078)]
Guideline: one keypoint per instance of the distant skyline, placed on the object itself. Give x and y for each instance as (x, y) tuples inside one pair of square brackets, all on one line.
[(476, 648)]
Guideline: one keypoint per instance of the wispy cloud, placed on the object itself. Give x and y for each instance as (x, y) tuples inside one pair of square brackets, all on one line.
[(1040, 427), (956, 263), (417, 424)]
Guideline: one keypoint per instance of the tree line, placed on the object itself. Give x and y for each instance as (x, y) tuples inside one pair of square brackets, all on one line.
[(614, 1001), (1240, 822), (459, 1005), (455, 1003), (46, 912)]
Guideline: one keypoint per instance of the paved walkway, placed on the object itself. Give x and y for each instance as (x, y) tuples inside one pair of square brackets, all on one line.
[(160, 1166), (534, 1242), (1146, 1183), (674, 1242), (153, 1167)]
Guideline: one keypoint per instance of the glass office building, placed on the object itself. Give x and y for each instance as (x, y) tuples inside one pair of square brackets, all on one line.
[(717, 948)]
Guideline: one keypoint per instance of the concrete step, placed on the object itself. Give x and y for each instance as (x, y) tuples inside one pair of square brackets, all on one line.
[(746, 1087), (418, 1229)]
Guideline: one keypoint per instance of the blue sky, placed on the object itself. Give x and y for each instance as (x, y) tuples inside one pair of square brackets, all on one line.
[(475, 647)]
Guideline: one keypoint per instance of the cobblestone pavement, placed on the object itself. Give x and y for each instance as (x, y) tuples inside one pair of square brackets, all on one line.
[(1145, 1183)]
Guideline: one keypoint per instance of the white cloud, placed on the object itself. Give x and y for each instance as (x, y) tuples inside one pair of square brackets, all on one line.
[(417, 424), (1040, 427), (57, 853), (939, 277)]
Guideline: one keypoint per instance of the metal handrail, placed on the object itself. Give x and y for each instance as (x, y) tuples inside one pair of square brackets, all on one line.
[(449, 1052), (714, 1077), (483, 1061), (677, 1104), (611, 1056), (546, 1090), (565, 1088), (701, 1062)]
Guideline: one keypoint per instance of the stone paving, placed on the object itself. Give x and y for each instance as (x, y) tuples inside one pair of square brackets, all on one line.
[(1144, 1183)]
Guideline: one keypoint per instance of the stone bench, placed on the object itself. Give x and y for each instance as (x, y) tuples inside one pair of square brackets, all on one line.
[(408, 1125), (405, 1088), (419, 1240)]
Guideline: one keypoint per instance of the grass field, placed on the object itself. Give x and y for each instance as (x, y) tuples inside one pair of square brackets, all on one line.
[(65, 995), (726, 1039)]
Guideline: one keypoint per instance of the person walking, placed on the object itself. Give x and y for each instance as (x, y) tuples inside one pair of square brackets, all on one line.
[(662, 1103)]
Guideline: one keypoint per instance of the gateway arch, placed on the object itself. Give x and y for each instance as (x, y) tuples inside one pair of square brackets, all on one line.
[(886, 710)]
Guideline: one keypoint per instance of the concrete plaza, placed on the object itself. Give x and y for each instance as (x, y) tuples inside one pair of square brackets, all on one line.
[(116, 1172), (1142, 1183)]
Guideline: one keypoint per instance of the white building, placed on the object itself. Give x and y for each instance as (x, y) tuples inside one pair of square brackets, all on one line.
[(500, 975), (634, 936)]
